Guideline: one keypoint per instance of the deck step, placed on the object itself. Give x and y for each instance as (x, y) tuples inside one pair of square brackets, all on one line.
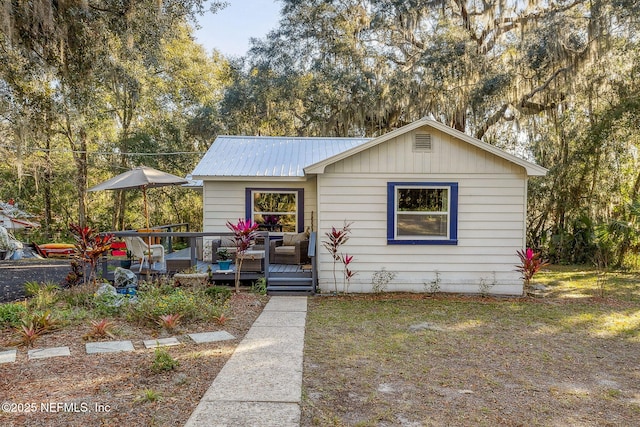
[(273, 280), (290, 285), (290, 290)]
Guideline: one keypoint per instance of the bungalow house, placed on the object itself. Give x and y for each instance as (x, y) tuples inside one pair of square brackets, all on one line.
[(429, 204)]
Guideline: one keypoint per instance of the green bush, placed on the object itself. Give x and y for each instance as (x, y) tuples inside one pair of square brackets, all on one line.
[(11, 314), (218, 293), (157, 300), (259, 286), (43, 295), (162, 361)]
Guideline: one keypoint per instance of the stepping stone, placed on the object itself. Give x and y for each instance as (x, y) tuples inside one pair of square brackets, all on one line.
[(161, 342), (44, 353), (8, 356), (204, 337), (109, 347)]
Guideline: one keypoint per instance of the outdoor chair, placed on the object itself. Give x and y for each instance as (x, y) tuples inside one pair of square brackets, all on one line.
[(140, 250), (293, 248)]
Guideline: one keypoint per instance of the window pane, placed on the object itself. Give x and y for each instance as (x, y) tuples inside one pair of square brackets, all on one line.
[(274, 202), (423, 199), (275, 212), (421, 225)]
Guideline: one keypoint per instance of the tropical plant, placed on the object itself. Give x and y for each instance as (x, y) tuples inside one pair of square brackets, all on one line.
[(348, 273), (244, 231), (89, 247), (28, 333), (43, 295), (169, 321), (335, 239), (35, 326), (100, 329), (530, 263)]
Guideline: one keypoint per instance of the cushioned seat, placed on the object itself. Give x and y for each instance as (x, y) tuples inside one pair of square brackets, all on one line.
[(293, 248)]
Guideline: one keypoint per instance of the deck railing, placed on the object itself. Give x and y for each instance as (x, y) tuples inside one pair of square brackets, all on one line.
[(195, 236)]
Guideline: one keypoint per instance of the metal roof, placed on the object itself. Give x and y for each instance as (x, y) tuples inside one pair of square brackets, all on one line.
[(268, 156)]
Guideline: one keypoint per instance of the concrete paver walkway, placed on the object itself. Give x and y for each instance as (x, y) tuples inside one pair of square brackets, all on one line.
[(261, 384)]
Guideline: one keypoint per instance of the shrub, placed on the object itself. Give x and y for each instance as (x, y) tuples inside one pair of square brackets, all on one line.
[(11, 314), (107, 304), (162, 361), (81, 296), (259, 286), (155, 301), (219, 294), (381, 279), (43, 295), (90, 246)]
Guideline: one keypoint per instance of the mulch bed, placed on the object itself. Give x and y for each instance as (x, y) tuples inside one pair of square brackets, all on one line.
[(109, 389)]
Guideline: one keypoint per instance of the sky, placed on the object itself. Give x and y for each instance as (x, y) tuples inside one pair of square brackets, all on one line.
[(230, 29)]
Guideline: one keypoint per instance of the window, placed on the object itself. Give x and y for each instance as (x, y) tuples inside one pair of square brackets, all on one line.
[(422, 213), (276, 210)]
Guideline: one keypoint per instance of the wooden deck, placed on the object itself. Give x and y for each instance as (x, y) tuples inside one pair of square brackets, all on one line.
[(281, 278)]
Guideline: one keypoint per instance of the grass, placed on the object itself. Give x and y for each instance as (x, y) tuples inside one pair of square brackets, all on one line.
[(570, 358)]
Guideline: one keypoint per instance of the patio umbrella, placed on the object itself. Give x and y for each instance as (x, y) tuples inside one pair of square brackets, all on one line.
[(142, 177)]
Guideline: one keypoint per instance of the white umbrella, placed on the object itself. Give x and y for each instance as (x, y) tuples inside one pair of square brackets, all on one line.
[(142, 177)]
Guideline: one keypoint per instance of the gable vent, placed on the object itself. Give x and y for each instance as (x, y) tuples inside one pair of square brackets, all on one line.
[(422, 142)]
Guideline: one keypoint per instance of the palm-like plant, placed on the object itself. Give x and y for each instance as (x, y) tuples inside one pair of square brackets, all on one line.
[(89, 246), (244, 232), (530, 263), (335, 239)]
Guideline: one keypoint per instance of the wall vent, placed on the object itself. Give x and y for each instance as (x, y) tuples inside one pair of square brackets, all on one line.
[(422, 142)]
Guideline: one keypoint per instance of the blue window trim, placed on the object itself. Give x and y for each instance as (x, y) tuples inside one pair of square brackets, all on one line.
[(300, 207), (453, 214)]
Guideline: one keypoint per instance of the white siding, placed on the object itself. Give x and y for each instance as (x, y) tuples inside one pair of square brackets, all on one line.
[(225, 200), (491, 217)]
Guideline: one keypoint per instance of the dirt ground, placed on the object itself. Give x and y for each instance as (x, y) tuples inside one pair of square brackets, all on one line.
[(117, 389)]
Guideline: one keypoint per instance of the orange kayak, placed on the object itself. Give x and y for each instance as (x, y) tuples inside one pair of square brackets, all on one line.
[(56, 250)]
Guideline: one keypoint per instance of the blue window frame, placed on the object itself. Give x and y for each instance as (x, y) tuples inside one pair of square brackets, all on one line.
[(422, 213)]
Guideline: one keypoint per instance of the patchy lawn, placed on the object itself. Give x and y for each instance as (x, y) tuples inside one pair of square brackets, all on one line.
[(570, 358)]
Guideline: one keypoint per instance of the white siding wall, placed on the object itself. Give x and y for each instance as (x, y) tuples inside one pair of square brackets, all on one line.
[(491, 217), (225, 200)]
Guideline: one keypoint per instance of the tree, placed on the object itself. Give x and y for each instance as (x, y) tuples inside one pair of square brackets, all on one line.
[(93, 65)]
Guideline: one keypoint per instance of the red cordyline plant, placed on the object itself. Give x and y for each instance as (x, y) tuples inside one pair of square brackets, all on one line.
[(335, 239), (89, 247), (244, 232), (348, 274), (530, 263)]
